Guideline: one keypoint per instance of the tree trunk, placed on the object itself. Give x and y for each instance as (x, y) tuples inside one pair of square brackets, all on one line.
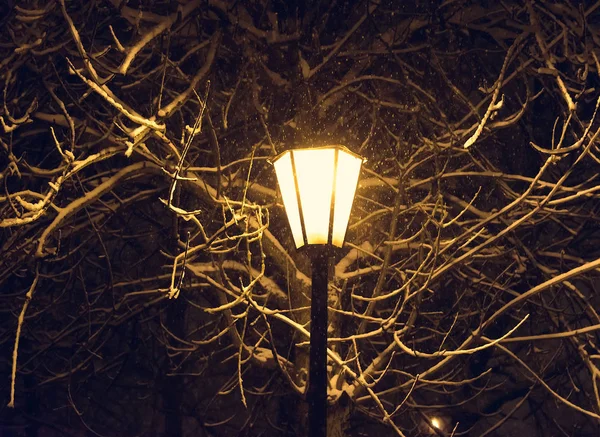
[(172, 386), (338, 416)]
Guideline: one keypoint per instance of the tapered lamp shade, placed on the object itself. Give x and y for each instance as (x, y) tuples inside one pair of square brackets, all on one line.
[(317, 186)]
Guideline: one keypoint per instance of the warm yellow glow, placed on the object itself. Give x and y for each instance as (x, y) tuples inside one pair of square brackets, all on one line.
[(285, 177), (347, 176), (315, 171), (437, 423)]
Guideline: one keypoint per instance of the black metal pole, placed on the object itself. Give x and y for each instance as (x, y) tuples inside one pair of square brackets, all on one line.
[(317, 388)]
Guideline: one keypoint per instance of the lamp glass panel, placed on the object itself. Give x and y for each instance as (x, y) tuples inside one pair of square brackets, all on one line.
[(314, 170), (285, 178), (348, 169)]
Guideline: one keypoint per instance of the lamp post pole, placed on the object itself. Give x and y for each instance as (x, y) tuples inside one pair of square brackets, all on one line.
[(317, 388)]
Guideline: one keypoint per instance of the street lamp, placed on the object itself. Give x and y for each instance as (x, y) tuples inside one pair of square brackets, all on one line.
[(317, 186)]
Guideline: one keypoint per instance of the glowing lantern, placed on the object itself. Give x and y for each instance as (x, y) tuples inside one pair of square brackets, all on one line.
[(317, 186)]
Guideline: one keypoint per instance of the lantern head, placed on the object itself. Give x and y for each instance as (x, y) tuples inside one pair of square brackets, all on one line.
[(317, 186)]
